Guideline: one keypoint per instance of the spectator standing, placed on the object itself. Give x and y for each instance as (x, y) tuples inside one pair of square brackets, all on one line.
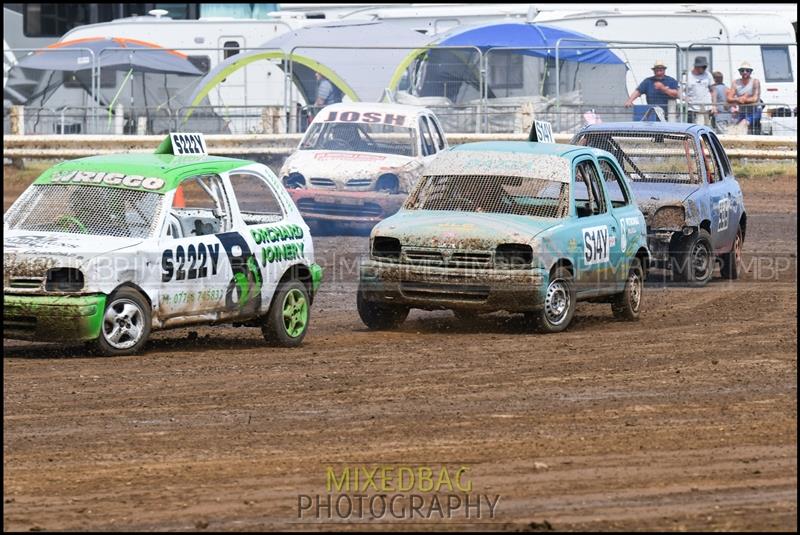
[(326, 92), (745, 95), (699, 95), (720, 93), (658, 89)]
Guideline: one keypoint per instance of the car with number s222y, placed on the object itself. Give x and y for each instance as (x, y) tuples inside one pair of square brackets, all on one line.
[(107, 249)]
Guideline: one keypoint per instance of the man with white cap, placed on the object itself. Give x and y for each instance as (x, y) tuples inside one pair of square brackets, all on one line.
[(746, 94), (658, 89), (699, 94)]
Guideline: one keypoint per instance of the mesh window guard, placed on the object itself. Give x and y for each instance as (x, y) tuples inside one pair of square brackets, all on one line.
[(649, 156), (491, 194), (84, 209)]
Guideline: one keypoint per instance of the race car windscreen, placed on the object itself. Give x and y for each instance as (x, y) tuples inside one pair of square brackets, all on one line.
[(361, 137), (491, 194), (649, 156), (85, 209)]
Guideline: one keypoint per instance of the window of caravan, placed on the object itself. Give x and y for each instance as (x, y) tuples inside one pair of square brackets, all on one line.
[(777, 67)]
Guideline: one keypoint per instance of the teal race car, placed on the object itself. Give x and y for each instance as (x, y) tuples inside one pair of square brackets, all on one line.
[(515, 226)]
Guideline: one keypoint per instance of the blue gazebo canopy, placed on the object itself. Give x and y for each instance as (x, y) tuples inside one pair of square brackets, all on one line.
[(572, 46)]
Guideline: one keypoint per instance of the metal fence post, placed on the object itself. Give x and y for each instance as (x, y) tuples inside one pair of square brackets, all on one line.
[(558, 87), (18, 120), (483, 62)]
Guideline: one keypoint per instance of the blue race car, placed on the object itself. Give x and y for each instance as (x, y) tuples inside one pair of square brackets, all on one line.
[(685, 187), (514, 226)]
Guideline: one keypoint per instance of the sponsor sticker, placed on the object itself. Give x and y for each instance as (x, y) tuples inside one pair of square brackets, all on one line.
[(365, 117), (149, 183), (595, 244), (349, 157), (724, 209), (188, 144)]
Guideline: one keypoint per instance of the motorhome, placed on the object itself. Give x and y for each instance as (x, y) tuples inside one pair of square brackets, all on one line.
[(211, 33), (762, 35), (726, 36)]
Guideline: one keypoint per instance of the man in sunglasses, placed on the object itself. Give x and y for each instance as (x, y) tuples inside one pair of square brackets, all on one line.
[(745, 94), (658, 89), (699, 95)]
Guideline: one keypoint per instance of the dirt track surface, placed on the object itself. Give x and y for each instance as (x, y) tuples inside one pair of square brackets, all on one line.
[(684, 420)]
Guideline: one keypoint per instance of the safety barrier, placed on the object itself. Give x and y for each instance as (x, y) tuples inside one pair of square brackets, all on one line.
[(277, 146)]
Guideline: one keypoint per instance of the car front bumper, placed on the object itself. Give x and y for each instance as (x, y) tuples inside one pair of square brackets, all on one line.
[(45, 318), (349, 207), (427, 287)]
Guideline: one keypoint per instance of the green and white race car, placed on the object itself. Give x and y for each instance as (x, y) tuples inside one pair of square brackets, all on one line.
[(107, 249)]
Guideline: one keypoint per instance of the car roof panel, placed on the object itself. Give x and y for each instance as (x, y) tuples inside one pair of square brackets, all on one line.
[(172, 169)]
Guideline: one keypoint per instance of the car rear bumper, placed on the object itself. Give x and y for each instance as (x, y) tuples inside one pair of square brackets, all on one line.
[(360, 207), (44, 318), (427, 287)]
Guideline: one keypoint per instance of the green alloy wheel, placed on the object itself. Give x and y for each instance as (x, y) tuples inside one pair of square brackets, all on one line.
[(286, 322)]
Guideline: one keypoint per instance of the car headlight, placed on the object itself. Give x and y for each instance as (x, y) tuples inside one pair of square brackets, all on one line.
[(513, 255), (668, 218), (386, 248), (388, 182), (294, 181), (64, 280)]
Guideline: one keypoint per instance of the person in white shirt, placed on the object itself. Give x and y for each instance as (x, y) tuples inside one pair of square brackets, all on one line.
[(699, 94)]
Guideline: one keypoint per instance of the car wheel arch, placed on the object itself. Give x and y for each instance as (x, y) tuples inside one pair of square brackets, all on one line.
[(562, 262), (299, 272), (644, 260), (134, 286), (743, 224)]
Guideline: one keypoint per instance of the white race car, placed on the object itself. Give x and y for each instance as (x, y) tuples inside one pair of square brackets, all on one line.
[(358, 161), (106, 249)]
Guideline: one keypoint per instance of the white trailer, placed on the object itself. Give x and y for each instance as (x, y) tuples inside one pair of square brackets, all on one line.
[(762, 36)]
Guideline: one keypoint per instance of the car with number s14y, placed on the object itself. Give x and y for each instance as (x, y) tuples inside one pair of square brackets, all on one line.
[(357, 162), (525, 227), (107, 249), (686, 188)]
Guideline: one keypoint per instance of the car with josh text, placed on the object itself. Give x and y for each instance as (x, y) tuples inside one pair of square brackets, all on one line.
[(357, 162)]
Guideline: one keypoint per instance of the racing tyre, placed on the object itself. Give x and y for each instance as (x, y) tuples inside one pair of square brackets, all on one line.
[(559, 304), (380, 316), (627, 304), (732, 262), (286, 323), (696, 260), (126, 324)]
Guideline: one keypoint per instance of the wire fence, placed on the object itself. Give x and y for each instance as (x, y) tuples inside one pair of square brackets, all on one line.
[(467, 118), (497, 90)]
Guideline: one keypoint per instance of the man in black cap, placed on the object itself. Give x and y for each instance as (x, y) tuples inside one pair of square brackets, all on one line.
[(699, 94)]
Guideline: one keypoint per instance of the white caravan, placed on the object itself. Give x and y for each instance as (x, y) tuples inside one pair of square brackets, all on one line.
[(727, 36)]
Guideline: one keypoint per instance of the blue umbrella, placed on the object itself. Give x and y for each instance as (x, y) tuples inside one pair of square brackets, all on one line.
[(521, 35)]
